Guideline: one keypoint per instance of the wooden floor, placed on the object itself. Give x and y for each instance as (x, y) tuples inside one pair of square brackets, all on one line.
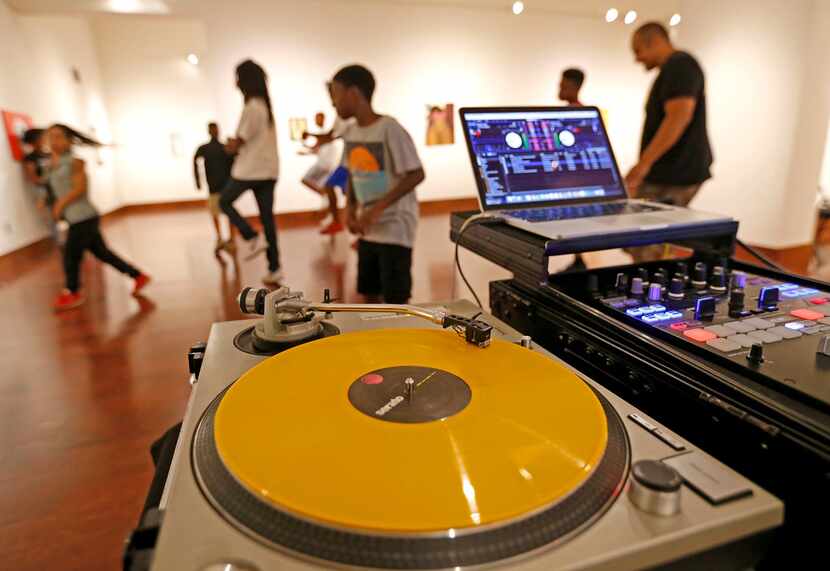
[(84, 393)]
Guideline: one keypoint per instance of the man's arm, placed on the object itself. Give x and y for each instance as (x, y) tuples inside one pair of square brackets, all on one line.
[(351, 208), (79, 186), (196, 168), (679, 113), (406, 185)]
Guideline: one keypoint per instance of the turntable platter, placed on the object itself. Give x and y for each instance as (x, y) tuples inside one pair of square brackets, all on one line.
[(327, 436)]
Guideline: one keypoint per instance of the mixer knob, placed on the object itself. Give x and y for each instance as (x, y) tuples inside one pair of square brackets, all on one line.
[(756, 354), (642, 273), (622, 283), (736, 303), (676, 289), (655, 487), (699, 276), (655, 292), (659, 278), (738, 280), (637, 287), (682, 268), (717, 283)]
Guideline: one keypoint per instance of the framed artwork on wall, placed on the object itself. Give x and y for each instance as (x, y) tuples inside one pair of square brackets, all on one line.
[(16, 124), (440, 129)]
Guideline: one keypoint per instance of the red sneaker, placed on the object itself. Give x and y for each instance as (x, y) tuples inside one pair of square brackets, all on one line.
[(332, 228), (141, 281), (67, 300)]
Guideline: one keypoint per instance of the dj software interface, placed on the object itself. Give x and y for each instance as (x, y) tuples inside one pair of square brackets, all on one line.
[(541, 157)]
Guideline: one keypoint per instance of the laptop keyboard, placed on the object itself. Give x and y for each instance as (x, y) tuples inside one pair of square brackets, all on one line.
[(581, 211)]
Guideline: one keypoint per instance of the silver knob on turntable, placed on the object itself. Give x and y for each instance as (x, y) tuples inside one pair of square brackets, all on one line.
[(229, 566), (655, 488)]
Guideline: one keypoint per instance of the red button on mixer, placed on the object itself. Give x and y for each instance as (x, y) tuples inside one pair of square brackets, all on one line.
[(700, 335), (807, 314)]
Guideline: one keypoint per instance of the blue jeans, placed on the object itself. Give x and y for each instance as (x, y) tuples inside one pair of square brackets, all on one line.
[(264, 194)]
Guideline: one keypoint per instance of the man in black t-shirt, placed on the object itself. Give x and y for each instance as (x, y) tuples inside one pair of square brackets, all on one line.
[(675, 155), (218, 165)]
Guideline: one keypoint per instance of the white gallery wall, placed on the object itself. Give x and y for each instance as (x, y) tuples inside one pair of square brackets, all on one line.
[(768, 82), (420, 55), (37, 55), (159, 104)]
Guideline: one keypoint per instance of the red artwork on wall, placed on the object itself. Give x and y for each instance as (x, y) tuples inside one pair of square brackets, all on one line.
[(16, 124)]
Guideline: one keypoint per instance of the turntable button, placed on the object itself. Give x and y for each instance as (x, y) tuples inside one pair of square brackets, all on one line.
[(642, 422), (818, 300), (699, 335), (669, 439), (679, 326)]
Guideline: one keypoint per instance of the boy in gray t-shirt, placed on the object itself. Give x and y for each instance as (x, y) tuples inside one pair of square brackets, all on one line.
[(384, 170)]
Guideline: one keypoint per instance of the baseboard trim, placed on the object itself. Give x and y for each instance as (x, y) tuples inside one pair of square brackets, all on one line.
[(284, 220), (794, 259)]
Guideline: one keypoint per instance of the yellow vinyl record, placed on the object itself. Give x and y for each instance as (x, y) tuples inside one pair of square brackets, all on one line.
[(411, 431)]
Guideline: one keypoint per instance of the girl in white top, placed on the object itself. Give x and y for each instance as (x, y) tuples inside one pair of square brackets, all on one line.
[(256, 167)]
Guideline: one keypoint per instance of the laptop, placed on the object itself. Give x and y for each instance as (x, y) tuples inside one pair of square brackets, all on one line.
[(552, 171)]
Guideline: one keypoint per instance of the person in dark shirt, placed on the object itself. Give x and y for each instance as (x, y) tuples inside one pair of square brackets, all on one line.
[(569, 86), (35, 164), (217, 163), (675, 154)]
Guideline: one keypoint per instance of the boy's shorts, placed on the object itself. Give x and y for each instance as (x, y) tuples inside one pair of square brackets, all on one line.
[(317, 176), (338, 179), (384, 269)]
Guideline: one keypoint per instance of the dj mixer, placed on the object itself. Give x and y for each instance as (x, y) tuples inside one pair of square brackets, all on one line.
[(733, 355), (774, 330)]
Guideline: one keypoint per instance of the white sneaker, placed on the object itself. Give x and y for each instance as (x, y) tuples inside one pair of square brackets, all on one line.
[(273, 278), (256, 246)]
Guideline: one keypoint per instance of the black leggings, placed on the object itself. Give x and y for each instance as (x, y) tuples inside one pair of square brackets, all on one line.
[(264, 194), (84, 236)]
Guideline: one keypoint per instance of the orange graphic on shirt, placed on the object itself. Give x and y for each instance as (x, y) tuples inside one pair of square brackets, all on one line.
[(360, 159)]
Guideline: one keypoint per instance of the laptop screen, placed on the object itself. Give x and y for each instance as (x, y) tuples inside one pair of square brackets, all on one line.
[(524, 158)]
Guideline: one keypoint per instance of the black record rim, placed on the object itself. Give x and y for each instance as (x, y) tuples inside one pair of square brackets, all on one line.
[(554, 524)]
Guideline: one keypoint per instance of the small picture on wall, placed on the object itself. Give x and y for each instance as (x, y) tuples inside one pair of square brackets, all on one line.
[(16, 124), (297, 126), (440, 129)]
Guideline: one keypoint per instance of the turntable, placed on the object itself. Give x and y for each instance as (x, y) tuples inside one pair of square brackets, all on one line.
[(389, 442)]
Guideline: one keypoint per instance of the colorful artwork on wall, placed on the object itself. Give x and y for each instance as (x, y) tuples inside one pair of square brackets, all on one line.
[(16, 124), (440, 124)]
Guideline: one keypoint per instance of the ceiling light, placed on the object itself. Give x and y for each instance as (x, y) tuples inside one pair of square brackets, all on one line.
[(611, 15), (125, 6), (193, 59), (518, 7), (676, 19), (630, 17)]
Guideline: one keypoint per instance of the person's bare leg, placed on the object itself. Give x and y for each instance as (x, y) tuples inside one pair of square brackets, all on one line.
[(217, 227), (332, 196)]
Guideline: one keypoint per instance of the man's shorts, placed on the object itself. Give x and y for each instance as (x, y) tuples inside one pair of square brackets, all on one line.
[(384, 269)]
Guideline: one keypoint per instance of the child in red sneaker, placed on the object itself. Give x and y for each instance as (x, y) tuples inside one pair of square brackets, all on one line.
[(67, 177)]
